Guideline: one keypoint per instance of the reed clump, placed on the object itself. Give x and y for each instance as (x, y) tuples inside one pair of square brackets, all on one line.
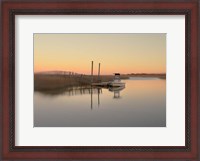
[(48, 82)]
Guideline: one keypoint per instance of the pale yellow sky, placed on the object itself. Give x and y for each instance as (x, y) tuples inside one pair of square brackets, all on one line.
[(123, 53)]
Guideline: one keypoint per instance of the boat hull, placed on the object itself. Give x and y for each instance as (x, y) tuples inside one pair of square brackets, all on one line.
[(117, 84)]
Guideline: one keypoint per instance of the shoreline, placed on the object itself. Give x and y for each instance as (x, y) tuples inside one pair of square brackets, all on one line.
[(44, 82)]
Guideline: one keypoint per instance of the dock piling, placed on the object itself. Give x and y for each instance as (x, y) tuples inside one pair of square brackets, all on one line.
[(99, 72), (92, 73)]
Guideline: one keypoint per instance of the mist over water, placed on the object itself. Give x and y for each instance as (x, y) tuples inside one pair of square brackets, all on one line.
[(142, 103)]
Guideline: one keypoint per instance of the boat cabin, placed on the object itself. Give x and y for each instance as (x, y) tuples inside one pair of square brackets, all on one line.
[(116, 77)]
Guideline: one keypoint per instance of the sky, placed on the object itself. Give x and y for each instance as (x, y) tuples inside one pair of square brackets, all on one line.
[(117, 53)]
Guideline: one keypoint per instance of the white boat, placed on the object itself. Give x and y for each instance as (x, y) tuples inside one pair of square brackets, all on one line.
[(116, 89), (116, 82)]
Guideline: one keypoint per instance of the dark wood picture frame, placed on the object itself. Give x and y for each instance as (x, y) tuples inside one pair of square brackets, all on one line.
[(47, 7)]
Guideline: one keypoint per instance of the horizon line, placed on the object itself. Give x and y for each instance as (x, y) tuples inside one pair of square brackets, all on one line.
[(64, 72)]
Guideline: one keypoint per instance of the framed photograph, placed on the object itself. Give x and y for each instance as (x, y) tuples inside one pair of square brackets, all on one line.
[(99, 80)]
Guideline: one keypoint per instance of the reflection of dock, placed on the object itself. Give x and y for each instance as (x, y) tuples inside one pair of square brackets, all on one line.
[(73, 91), (81, 91)]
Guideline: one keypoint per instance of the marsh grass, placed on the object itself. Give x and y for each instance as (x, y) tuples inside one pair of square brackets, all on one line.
[(44, 82)]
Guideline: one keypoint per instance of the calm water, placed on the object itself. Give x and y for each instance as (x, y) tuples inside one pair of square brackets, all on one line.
[(142, 103)]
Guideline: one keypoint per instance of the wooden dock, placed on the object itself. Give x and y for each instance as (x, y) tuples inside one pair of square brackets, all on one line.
[(101, 84)]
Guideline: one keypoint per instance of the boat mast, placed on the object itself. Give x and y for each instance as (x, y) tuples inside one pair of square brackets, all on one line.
[(99, 72), (92, 73)]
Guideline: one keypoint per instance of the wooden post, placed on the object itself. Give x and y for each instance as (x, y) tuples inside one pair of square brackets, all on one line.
[(92, 73), (99, 72)]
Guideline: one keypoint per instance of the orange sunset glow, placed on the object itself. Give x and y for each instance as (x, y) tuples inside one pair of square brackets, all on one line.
[(123, 53)]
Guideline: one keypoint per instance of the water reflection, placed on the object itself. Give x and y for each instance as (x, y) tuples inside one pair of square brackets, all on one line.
[(141, 104), (71, 91), (84, 90), (116, 91)]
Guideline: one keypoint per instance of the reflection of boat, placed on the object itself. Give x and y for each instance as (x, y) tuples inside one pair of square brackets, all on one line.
[(116, 91), (116, 82)]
